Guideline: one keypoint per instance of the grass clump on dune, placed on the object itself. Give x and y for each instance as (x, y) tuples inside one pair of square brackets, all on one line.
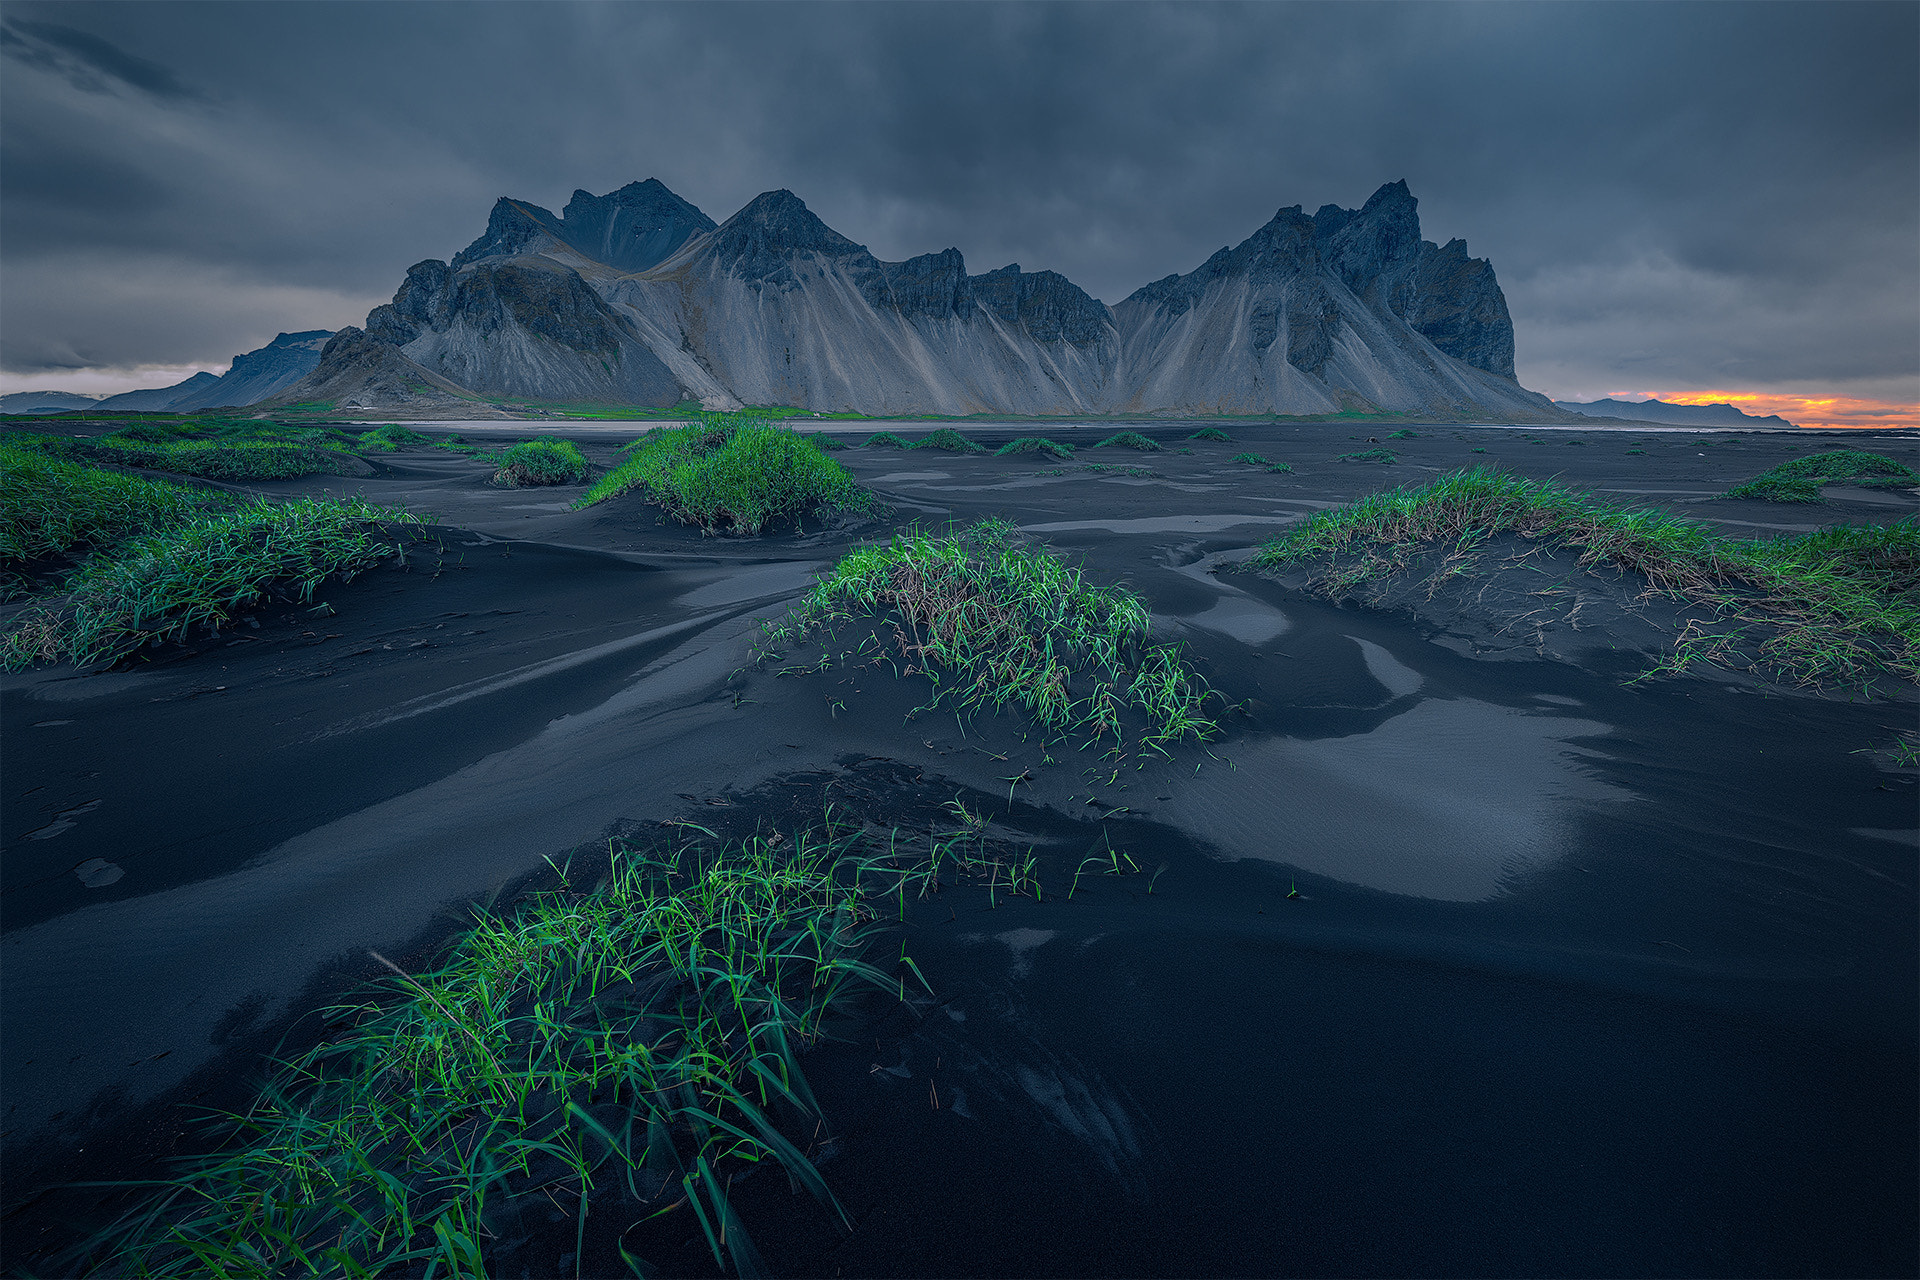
[(1799, 479), (49, 505), (538, 462), (202, 570), (885, 440), (1837, 604), (1212, 433), (732, 474), (619, 1053), (1034, 444), (993, 622), (1382, 456), (947, 440), (825, 443), (1251, 459), (391, 437), (1129, 440)]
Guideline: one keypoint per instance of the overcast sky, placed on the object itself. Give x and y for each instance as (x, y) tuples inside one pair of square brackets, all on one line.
[(1675, 197)]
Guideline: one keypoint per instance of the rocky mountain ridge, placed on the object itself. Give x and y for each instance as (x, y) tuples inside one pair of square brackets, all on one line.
[(637, 297), (1689, 415)]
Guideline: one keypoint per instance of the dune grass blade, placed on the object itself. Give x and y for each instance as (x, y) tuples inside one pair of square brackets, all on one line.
[(1034, 444), (1799, 479), (947, 440), (993, 622), (1129, 440), (624, 1051), (202, 570), (539, 462), (732, 474), (1842, 604), (48, 505)]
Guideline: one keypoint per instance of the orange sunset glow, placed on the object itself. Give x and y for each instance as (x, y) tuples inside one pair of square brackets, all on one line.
[(1805, 411)]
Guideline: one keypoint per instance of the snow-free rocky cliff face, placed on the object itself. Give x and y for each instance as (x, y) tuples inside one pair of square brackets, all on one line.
[(637, 297)]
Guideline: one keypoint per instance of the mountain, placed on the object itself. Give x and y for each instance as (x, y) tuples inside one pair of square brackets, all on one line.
[(1690, 415), (45, 401), (251, 378), (171, 399), (638, 297), (359, 371)]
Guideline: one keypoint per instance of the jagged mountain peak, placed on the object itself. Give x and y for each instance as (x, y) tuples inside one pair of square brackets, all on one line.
[(630, 229), (773, 228)]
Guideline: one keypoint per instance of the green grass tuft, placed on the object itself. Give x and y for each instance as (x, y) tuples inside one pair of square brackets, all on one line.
[(885, 440), (1212, 433), (1382, 456), (539, 462), (1404, 435), (947, 440), (1838, 604), (1034, 444), (994, 622), (1129, 440), (1799, 479), (732, 473), (826, 443), (198, 572), (49, 505), (1281, 466), (621, 1052), (1251, 459)]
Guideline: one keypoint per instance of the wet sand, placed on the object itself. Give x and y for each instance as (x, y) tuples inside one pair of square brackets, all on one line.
[(1582, 978)]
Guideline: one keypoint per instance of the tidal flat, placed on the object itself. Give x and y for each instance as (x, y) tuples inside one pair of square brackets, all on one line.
[(1463, 946)]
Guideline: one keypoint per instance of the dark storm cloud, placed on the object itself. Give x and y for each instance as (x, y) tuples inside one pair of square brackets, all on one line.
[(1673, 196), (87, 62)]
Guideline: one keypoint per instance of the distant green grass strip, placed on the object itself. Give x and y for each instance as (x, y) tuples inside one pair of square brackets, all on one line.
[(1799, 479), (49, 505), (201, 571), (540, 462), (993, 622), (620, 1052), (226, 460), (1839, 604), (1034, 444), (733, 474)]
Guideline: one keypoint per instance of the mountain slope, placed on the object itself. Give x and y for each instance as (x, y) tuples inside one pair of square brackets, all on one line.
[(359, 371)]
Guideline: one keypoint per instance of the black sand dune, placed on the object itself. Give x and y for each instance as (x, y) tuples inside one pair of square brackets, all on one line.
[(1461, 956)]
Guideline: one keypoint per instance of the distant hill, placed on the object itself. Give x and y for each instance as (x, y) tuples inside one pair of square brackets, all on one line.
[(45, 402), (1685, 415), (253, 377), (637, 297)]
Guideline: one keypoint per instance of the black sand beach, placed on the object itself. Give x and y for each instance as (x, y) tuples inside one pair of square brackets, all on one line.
[(1455, 953)]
